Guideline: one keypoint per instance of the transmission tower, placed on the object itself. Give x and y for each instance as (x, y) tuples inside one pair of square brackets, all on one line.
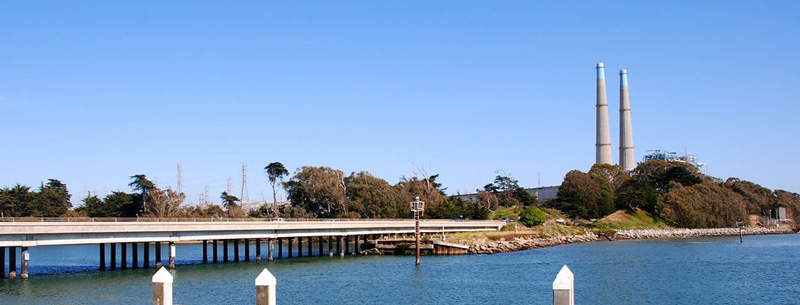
[(245, 196), (229, 185), (205, 195), (180, 178)]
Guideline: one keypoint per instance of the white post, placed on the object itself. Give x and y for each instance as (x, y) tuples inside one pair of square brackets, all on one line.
[(564, 287), (265, 288), (162, 287)]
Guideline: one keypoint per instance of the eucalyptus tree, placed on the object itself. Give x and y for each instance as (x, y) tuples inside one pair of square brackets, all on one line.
[(275, 171)]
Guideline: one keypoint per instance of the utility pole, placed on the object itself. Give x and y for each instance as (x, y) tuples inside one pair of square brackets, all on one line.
[(417, 206)]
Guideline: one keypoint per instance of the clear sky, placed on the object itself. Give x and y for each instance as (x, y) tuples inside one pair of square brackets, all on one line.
[(92, 92)]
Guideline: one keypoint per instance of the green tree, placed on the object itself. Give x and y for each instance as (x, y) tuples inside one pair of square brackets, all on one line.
[(532, 216), (318, 190), (275, 173), (228, 201), (17, 201), (143, 185), (52, 200)]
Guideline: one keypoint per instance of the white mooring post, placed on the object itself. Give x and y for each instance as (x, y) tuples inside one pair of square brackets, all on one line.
[(162, 287), (265, 288), (564, 287)]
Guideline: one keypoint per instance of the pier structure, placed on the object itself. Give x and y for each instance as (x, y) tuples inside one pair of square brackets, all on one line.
[(118, 237)]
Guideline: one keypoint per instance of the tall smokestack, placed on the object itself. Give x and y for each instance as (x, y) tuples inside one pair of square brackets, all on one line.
[(625, 129), (603, 145)]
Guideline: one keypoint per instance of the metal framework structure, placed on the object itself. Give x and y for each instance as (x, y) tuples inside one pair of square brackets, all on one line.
[(418, 207)]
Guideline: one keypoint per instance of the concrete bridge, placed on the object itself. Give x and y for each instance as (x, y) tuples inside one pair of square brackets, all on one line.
[(136, 234)]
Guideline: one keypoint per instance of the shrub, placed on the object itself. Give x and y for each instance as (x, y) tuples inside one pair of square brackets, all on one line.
[(532, 216)]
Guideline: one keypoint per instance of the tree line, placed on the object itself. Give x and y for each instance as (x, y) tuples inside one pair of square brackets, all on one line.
[(673, 191)]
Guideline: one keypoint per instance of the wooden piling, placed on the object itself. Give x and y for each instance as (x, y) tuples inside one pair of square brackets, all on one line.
[(25, 258), (564, 287), (162, 287), (172, 255), (269, 249), (265, 288)]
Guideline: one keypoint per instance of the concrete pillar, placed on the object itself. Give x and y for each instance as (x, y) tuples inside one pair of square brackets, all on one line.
[(347, 244), (113, 258), (246, 250), (171, 255), (25, 258), (269, 249), (310, 251), (280, 247), (205, 251), (214, 250), (158, 255), (146, 260), (162, 287), (355, 248), (12, 262), (123, 256), (225, 250), (135, 255), (319, 243), (564, 287), (330, 245), (340, 245), (300, 247), (265, 288), (2, 262), (258, 249), (290, 244), (236, 250), (102, 257)]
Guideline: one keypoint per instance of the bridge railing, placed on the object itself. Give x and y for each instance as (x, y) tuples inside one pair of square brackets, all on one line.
[(147, 219)]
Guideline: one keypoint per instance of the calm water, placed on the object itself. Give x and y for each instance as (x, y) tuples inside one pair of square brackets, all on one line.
[(763, 270)]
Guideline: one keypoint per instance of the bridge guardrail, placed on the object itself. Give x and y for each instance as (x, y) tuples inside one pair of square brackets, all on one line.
[(147, 219)]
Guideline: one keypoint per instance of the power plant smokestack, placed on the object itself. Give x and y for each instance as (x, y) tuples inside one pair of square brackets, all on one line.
[(603, 145), (625, 128)]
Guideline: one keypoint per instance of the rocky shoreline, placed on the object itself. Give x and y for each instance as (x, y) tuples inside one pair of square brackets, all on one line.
[(520, 243)]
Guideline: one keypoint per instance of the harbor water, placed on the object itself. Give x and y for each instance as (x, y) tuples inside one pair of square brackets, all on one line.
[(719, 270)]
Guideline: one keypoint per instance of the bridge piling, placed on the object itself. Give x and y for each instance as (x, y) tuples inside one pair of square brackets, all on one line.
[(135, 255), (340, 245), (2, 262), (310, 247), (330, 246), (258, 249), (159, 263), (205, 251), (146, 260), (346, 244), (355, 249), (269, 249), (123, 256), (102, 256), (12, 262), (171, 255), (319, 244), (214, 251), (236, 250), (113, 257), (246, 250), (25, 258), (299, 247), (224, 250), (280, 247), (290, 244)]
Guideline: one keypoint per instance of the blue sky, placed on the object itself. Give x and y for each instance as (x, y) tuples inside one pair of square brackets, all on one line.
[(92, 92)]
